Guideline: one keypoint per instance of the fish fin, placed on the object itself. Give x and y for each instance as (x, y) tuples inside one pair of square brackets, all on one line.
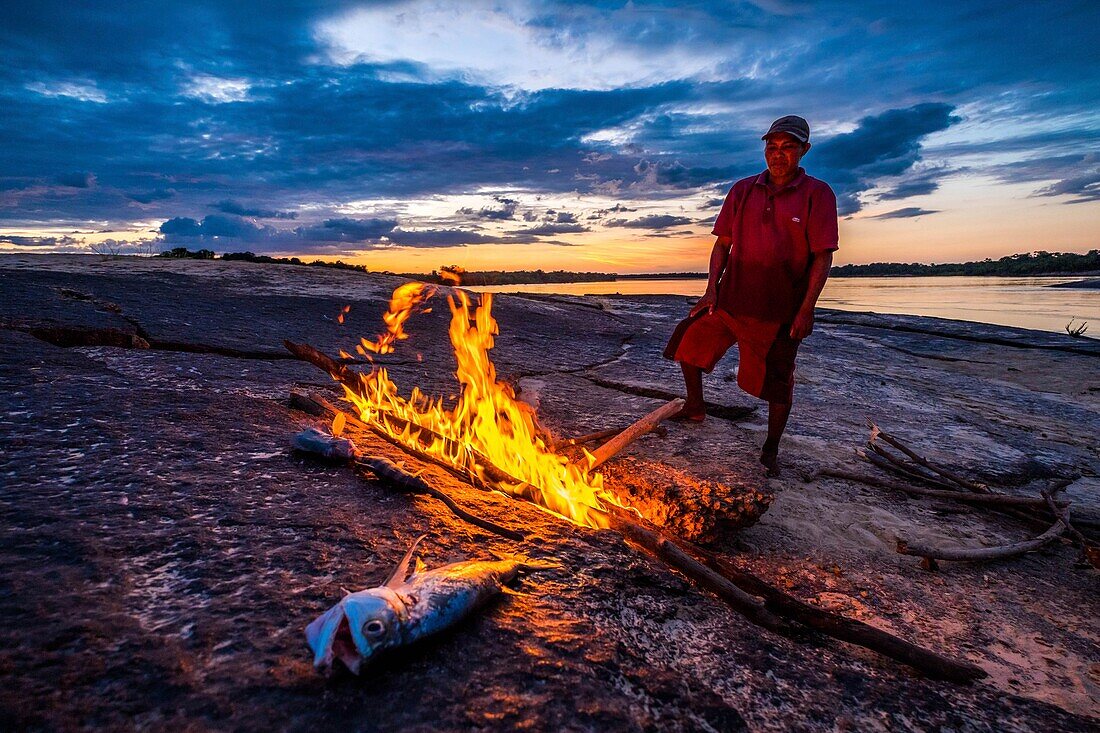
[(420, 566), (321, 635), (506, 590), (345, 591), (397, 577)]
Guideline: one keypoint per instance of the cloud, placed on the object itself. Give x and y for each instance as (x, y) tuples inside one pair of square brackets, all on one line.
[(317, 109), (452, 238), (551, 229), (50, 242), (505, 211), (215, 225), (882, 145), (75, 180), (906, 213), (653, 221), (351, 230), (148, 197), (1075, 175), (229, 206)]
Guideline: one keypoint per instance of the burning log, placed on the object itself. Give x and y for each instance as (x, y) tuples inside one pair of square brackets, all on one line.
[(385, 470), (648, 423), (739, 589)]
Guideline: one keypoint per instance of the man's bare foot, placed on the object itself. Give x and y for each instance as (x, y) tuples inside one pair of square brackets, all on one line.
[(770, 460), (690, 413)]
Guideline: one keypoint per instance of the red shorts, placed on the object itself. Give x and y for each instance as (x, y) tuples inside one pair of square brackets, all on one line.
[(766, 351)]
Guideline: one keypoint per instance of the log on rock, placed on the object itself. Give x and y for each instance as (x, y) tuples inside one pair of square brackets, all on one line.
[(979, 554), (780, 608), (931, 663), (648, 423), (966, 498)]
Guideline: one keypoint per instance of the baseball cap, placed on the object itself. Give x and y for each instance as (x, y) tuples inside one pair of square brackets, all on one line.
[(792, 125)]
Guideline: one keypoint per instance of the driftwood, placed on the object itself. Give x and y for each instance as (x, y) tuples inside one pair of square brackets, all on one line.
[(1090, 553), (777, 609), (713, 574), (850, 630), (974, 499), (879, 433), (921, 470), (648, 423), (979, 554)]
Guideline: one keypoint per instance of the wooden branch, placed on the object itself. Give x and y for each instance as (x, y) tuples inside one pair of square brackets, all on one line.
[(736, 587), (635, 431), (1089, 552), (590, 437), (782, 607), (877, 432), (976, 499), (882, 458), (660, 546), (931, 663), (981, 554), (889, 462)]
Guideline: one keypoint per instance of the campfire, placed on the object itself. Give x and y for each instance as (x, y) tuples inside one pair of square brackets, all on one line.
[(494, 441), (487, 429)]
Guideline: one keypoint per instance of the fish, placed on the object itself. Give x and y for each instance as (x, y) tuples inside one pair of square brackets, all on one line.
[(403, 610)]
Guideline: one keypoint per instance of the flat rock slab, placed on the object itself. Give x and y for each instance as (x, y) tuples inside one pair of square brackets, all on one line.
[(163, 548)]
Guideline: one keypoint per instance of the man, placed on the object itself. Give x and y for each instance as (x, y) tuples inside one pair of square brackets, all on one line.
[(777, 232)]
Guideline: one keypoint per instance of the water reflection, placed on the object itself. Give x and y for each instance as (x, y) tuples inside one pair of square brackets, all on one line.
[(1025, 302)]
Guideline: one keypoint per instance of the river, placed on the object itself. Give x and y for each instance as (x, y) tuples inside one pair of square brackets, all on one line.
[(1024, 302)]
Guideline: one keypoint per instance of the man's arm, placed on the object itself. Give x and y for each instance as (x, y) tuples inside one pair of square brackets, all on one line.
[(718, 256), (803, 324)]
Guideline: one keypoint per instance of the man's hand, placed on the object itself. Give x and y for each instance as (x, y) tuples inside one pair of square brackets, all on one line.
[(803, 324), (706, 303)]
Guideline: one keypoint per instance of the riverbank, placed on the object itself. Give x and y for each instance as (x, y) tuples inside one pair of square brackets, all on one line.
[(165, 548)]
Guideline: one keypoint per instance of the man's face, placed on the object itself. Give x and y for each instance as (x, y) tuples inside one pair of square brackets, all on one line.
[(783, 152)]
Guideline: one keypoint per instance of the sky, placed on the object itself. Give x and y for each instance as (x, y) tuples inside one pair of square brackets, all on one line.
[(594, 136)]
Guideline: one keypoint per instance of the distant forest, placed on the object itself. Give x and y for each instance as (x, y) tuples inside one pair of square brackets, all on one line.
[(1029, 263)]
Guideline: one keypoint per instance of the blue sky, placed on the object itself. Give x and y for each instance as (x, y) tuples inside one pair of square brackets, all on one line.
[(581, 135)]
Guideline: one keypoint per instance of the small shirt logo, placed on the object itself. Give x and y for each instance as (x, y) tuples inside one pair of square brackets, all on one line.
[(796, 219)]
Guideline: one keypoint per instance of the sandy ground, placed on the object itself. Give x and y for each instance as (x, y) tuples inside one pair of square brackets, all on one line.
[(163, 548)]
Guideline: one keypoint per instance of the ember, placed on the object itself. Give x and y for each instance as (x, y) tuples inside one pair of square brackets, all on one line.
[(487, 425)]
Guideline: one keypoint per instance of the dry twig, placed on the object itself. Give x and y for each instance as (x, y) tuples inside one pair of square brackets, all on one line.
[(979, 554)]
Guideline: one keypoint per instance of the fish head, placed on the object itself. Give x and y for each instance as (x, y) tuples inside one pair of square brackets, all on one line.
[(375, 619), (355, 629)]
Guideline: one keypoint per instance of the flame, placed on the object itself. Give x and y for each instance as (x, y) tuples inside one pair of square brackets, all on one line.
[(403, 303), (486, 425)]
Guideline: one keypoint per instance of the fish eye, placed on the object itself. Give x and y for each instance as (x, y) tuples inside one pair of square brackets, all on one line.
[(374, 628)]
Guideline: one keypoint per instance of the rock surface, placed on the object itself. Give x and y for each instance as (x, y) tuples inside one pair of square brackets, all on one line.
[(163, 548)]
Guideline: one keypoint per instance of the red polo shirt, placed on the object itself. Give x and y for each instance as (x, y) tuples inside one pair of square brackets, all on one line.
[(774, 233)]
